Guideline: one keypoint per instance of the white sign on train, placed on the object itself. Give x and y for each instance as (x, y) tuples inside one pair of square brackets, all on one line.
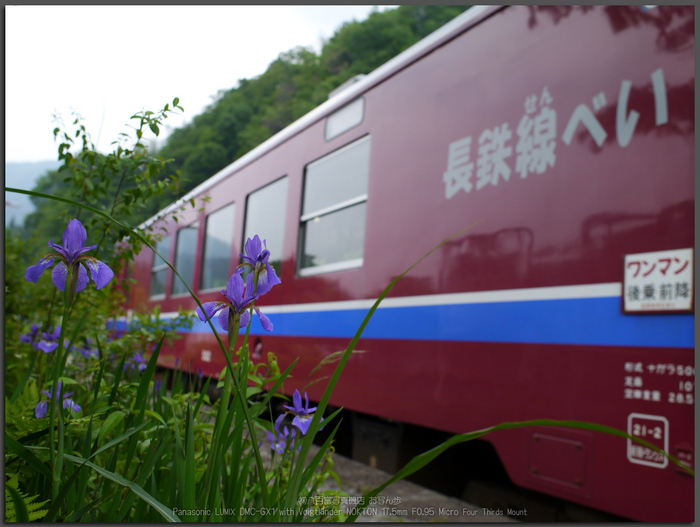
[(659, 281), (536, 140), (651, 428)]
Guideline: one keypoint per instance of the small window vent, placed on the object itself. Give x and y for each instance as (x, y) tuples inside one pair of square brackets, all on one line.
[(346, 84), (348, 117)]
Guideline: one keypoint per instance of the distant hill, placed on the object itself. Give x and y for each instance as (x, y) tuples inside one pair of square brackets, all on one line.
[(23, 176)]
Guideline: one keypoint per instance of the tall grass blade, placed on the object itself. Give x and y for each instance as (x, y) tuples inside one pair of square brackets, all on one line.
[(27, 456), (189, 465), (421, 460), (164, 511), (78, 515), (56, 504)]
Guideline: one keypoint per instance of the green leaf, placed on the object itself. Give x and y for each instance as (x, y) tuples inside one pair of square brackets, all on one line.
[(110, 424), (154, 128), (81, 512), (176, 101), (22, 516), (189, 489), (155, 416), (66, 381), (164, 511), (27, 456)]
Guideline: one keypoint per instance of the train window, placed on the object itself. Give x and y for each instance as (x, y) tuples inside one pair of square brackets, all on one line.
[(332, 234), (349, 116), (185, 256), (218, 244), (159, 271), (265, 214)]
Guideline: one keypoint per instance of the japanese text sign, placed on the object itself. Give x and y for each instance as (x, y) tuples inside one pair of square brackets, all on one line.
[(651, 428), (658, 281)]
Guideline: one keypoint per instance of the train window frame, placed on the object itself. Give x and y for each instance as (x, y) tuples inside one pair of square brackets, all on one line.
[(195, 225), (340, 206), (160, 267), (204, 248), (246, 223), (344, 119)]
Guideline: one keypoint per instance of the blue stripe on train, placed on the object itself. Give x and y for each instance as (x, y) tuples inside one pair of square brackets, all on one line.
[(585, 321)]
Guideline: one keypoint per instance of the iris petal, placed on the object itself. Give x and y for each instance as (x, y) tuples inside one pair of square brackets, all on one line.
[(210, 308), (250, 286), (223, 318), (41, 409), (100, 271), (245, 319), (302, 423), (235, 287), (59, 275), (86, 249), (248, 261), (60, 250), (70, 403), (253, 247), (74, 238), (266, 324), (298, 408), (35, 271), (47, 347), (82, 279), (266, 279)]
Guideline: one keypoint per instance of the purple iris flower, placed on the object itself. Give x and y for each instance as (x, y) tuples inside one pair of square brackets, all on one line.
[(50, 341), (257, 258), (239, 298), (302, 415), (42, 408), (52, 334), (31, 336), (88, 351), (137, 361), (71, 254), (278, 440)]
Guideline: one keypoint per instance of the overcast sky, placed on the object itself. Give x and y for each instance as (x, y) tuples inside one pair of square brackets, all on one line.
[(109, 62)]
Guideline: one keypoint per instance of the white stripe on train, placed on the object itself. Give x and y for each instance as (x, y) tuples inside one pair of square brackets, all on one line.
[(612, 289)]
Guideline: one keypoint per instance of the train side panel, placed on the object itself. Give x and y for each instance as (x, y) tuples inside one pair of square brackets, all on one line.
[(565, 136)]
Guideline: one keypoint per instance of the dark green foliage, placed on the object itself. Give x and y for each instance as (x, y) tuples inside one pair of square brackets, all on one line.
[(205, 158)]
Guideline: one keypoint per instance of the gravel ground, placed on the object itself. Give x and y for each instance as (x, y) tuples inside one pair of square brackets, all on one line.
[(404, 501)]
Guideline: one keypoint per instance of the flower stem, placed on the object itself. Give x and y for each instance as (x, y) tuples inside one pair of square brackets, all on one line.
[(57, 460), (48, 319)]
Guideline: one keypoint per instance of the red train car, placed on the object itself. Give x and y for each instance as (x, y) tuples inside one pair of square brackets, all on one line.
[(569, 133)]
